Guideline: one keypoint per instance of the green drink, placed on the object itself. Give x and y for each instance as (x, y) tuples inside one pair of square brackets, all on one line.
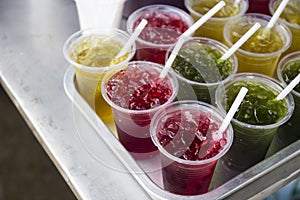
[(200, 70), (261, 52), (213, 28), (288, 69), (257, 119), (290, 17)]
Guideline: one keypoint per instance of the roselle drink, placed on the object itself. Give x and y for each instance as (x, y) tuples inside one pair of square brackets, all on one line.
[(290, 17), (136, 93), (165, 25), (257, 119), (200, 70), (261, 52), (186, 134), (213, 28), (92, 52), (288, 69)]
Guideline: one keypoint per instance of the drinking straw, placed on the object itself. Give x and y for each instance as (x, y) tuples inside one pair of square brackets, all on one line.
[(186, 34), (171, 58), (241, 41), (133, 37), (277, 14), (238, 100), (288, 88)]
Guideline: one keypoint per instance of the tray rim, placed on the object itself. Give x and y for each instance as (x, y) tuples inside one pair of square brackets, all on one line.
[(235, 184)]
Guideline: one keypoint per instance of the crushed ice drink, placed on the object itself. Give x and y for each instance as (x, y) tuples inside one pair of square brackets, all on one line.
[(93, 52), (291, 17), (165, 25), (135, 94), (213, 28), (256, 121), (199, 67), (186, 134), (261, 52), (287, 70)]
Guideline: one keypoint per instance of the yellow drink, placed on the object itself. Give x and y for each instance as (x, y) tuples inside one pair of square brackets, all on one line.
[(291, 17), (93, 52), (213, 28), (261, 52)]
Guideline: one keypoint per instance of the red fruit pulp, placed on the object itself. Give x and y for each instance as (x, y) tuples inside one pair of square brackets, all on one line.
[(137, 88), (164, 27)]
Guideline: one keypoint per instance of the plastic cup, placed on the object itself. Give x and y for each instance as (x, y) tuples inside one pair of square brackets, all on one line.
[(204, 89), (188, 161), (291, 12), (135, 95), (252, 140), (99, 14), (289, 132), (165, 24), (89, 72), (213, 28), (264, 60)]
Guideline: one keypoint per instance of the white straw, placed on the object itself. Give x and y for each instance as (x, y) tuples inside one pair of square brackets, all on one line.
[(288, 88), (133, 37), (241, 41), (277, 14), (236, 3), (171, 58), (203, 19), (238, 100)]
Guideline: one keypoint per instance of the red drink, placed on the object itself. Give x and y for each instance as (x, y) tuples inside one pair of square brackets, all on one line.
[(135, 95), (186, 135), (165, 25)]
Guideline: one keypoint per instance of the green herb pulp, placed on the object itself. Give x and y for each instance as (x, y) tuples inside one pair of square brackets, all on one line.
[(259, 106)]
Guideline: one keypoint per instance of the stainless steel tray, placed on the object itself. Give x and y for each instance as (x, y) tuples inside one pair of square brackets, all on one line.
[(255, 183)]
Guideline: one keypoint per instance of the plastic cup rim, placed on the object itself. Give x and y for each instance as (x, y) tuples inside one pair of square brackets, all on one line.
[(242, 76), (171, 76), (94, 69), (215, 111)]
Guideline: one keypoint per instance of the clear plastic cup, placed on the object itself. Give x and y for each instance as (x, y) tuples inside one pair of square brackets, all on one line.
[(88, 74), (135, 94), (252, 140), (264, 55), (293, 11), (289, 132), (194, 88), (185, 133), (213, 28), (165, 24)]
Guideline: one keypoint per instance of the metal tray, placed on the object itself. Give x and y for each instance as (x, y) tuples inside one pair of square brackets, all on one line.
[(257, 182)]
